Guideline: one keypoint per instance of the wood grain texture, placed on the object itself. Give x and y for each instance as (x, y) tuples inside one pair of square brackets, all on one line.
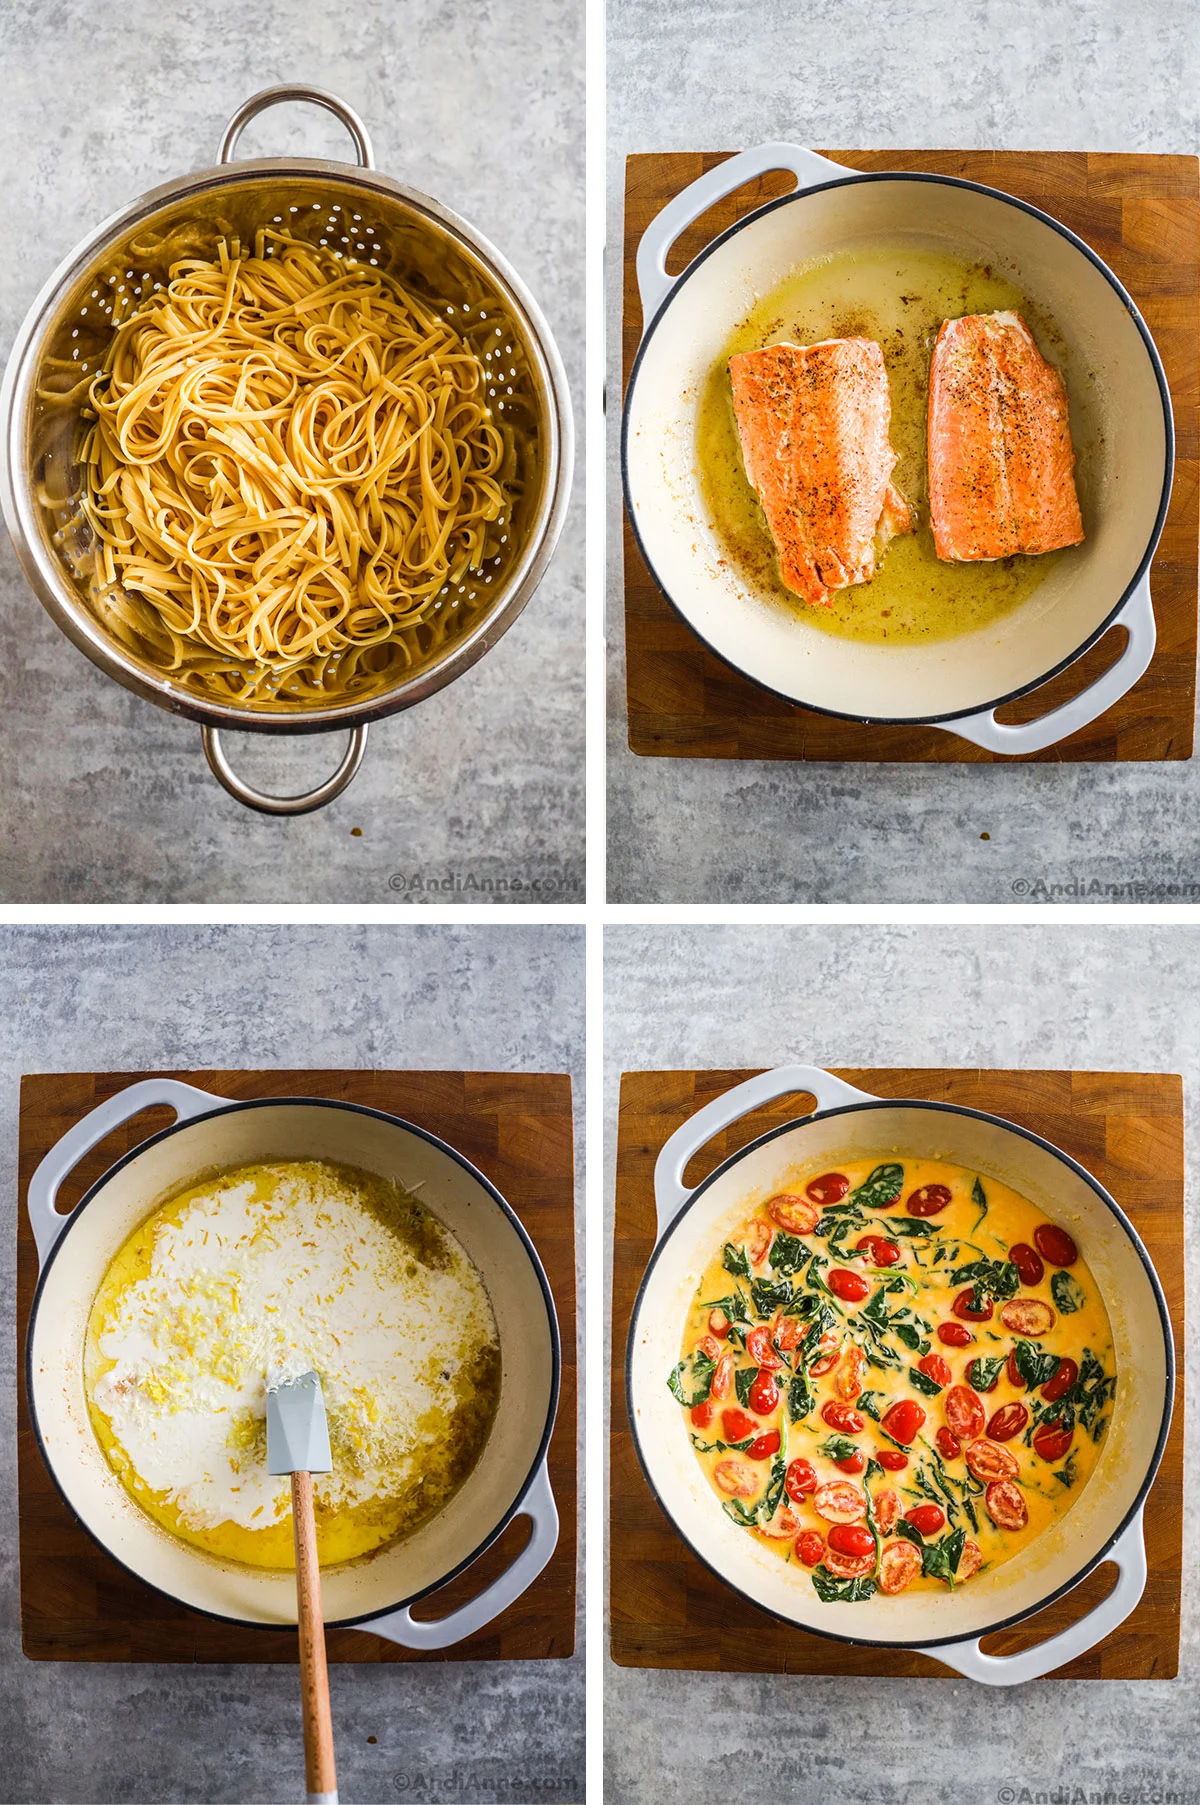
[(1142, 215), (76, 1603), (666, 1608), (320, 1771)]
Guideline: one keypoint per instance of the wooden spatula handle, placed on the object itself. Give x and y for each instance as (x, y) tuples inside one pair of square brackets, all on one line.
[(321, 1775)]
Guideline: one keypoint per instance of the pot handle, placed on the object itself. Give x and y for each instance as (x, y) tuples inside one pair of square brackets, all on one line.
[(654, 284), (967, 1658), (267, 804), (319, 97), (1137, 617), (539, 1506), (670, 1192), (45, 1220)]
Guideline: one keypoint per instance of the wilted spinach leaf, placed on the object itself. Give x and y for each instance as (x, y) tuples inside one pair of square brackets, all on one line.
[(788, 1254), (1068, 1293), (736, 1260), (880, 1189), (923, 1382), (743, 1379), (841, 1591), (1035, 1366), (984, 1371), (701, 1370)]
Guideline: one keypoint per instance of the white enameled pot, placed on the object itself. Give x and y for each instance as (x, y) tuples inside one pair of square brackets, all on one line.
[(1120, 418), (211, 1133), (1104, 1524)]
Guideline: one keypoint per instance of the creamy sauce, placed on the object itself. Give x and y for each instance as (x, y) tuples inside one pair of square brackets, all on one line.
[(280, 1269), (899, 296), (870, 1355)]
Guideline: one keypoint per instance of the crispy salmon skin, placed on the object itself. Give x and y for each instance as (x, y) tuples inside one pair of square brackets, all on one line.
[(1001, 462), (813, 422)]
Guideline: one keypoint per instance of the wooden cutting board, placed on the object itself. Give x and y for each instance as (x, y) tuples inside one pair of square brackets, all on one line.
[(76, 1603), (666, 1608), (1142, 215)]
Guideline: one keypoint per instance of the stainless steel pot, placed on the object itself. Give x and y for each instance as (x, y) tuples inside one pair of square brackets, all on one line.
[(510, 1477), (1105, 1523), (71, 314), (1121, 421)]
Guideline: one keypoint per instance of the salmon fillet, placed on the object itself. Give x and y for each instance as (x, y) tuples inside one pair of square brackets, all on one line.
[(1001, 462), (813, 421)]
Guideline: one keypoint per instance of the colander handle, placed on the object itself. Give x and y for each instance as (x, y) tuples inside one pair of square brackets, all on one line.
[(270, 97), (967, 1658), (539, 1506), (670, 1192), (267, 804), (44, 1219), (654, 284), (1137, 617)]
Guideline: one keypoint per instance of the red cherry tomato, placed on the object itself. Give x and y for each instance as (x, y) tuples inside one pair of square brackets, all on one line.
[(831, 1349), (899, 1565), (1055, 1244), (703, 1414), (790, 1333), (839, 1502), (848, 1380), (1027, 1262), (759, 1237), (736, 1425), (850, 1286), (722, 1377), (887, 1512), (758, 1346), (764, 1395), (903, 1420), (928, 1200), (965, 1413), (935, 1368), (892, 1459), (1006, 1422), (851, 1538), (949, 1446), (810, 1547), (1028, 1316), (765, 1446), (840, 1416), (962, 1307), (800, 1478), (882, 1252), (709, 1346), (736, 1478), (853, 1463), (1014, 1371), (1050, 1442), (794, 1215), (969, 1561), (831, 1187), (1005, 1505), (954, 1334), (718, 1324), (990, 1460), (849, 1566), (1061, 1383), (926, 1519)]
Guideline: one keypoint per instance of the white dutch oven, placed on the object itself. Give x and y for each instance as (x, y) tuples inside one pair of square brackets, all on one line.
[(1120, 420), (510, 1477), (1105, 1523)]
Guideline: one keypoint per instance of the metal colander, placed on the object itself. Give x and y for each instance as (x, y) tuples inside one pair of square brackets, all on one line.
[(351, 212)]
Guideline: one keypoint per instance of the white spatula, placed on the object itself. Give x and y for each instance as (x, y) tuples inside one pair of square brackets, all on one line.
[(298, 1443)]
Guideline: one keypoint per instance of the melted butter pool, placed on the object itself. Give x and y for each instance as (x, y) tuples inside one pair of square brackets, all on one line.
[(898, 295)]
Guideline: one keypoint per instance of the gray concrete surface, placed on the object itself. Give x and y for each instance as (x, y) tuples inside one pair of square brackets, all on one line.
[(131, 998), (107, 798), (722, 75), (1106, 998)]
